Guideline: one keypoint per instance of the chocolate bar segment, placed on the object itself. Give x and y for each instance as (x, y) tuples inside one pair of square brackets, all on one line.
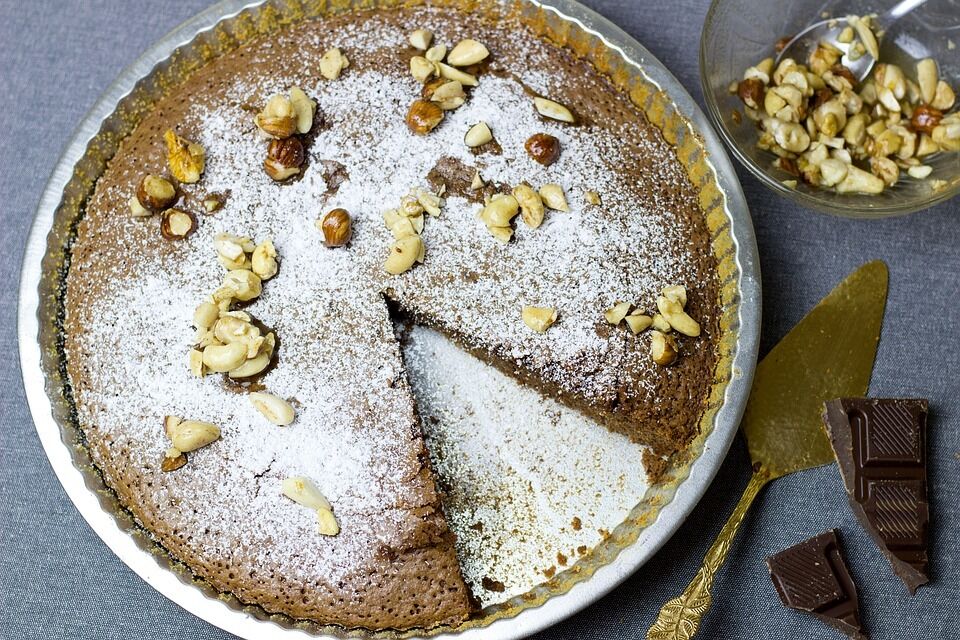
[(812, 576), (881, 448)]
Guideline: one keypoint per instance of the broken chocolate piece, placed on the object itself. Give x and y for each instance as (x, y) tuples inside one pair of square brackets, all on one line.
[(812, 576), (881, 449)]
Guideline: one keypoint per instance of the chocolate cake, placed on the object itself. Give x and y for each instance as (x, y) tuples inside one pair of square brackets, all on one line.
[(632, 231)]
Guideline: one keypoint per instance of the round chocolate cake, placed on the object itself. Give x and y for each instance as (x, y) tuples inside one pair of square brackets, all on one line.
[(229, 328)]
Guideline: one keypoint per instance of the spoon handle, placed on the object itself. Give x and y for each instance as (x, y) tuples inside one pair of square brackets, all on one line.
[(680, 618), (897, 11)]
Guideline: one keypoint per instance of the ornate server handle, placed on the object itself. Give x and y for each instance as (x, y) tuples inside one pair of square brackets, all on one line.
[(680, 618)]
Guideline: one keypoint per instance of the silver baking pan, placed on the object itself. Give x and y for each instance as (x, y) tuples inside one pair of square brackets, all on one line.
[(233, 22)]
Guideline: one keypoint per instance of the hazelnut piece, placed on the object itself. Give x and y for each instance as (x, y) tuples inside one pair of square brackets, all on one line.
[(336, 227), (186, 159), (156, 192), (750, 91), (176, 224), (543, 147), (925, 118), (423, 117), (284, 158), (173, 459), (278, 118), (663, 348)]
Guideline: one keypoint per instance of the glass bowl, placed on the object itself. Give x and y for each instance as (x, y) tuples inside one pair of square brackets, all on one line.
[(739, 33)]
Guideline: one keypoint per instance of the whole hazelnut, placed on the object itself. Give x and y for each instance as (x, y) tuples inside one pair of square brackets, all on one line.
[(423, 117), (176, 224), (543, 147), (284, 158), (156, 192), (336, 227)]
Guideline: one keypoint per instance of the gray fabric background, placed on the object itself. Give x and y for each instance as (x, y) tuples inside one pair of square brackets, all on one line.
[(58, 580)]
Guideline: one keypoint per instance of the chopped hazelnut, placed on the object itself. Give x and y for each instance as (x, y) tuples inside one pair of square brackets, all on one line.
[(173, 459), (663, 348), (538, 318), (156, 192), (478, 134), (553, 110), (466, 53), (420, 39), (176, 224), (553, 197), (185, 158), (423, 117), (278, 118), (332, 63)]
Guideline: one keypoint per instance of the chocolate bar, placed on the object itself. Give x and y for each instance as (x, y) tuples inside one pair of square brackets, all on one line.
[(812, 576), (881, 449)]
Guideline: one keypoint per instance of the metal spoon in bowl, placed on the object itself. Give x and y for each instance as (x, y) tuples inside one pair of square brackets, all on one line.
[(828, 32)]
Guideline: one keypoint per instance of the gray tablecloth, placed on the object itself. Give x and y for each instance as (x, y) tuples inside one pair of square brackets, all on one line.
[(58, 580)]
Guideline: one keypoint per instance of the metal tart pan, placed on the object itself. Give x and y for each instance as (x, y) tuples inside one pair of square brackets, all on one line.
[(229, 24)]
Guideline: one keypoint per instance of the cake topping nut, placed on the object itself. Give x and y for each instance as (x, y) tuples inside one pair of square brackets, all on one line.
[(663, 348), (553, 110), (423, 117), (466, 53), (553, 197), (403, 254), (421, 39), (449, 95), (452, 73), (176, 224), (543, 147), (531, 206), (327, 523), (304, 108), (422, 69), (538, 318), (478, 134), (156, 192), (185, 158), (304, 492), (284, 158), (332, 63), (672, 311), (336, 227), (276, 410), (436, 53), (263, 262), (190, 435), (592, 197), (278, 118), (638, 322), (137, 210), (617, 312), (212, 203), (173, 459)]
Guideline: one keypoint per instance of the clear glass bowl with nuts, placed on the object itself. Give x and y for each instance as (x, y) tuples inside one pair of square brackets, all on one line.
[(738, 35)]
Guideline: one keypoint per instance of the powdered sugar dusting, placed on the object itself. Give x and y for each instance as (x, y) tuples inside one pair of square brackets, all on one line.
[(340, 364)]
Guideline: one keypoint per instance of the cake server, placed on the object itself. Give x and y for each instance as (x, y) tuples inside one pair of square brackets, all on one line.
[(829, 354)]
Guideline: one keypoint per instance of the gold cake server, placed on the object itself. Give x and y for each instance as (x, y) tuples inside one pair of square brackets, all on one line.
[(829, 354)]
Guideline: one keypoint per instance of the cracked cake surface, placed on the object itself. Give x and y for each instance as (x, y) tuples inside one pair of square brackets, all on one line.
[(131, 295)]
